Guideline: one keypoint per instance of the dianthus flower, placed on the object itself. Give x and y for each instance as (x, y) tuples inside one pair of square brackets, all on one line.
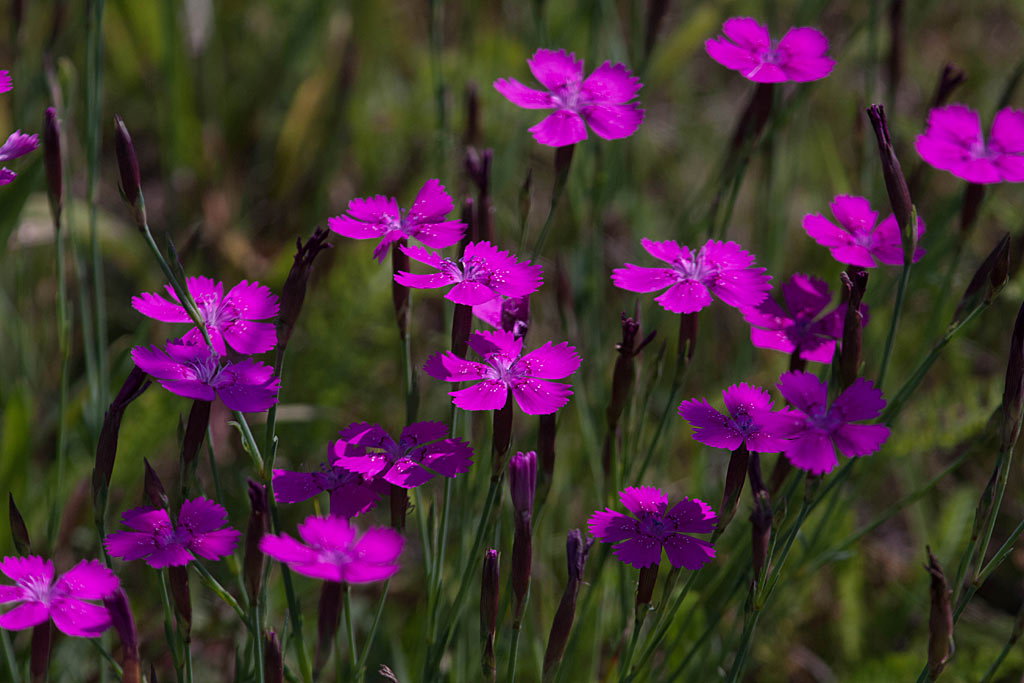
[(333, 551), (953, 141), (18, 144), (423, 449), (63, 600), (857, 240), (505, 369), (748, 48), (601, 100), (641, 537), (821, 429), (229, 319), (750, 420), (195, 371), (379, 216), (162, 544), (723, 269), (800, 323), (351, 493), (483, 273)]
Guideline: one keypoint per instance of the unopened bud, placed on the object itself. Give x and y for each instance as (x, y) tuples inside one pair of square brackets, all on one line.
[(19, 532), (39, 658), (1013, 389), (120, 611), (293, 294), (949, 80), (258, 526), (51, 158), (854, 285), (576, 556), (987, 282), (128, 165), (940, 620), (153, 487), (895, 183), (273, 662), (734, 478), (522, 478), (525, 199), (106, 445), (195, 432), (489, 612), (655, 13)]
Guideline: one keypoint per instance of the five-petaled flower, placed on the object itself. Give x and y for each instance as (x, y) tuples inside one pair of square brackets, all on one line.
[(821, 429), (379, 216), (423, 449), (601, 100), (953, 141), (723, 269), (748, 48), (195, 371), (859, 240), (505, 369), (334, 551), (63, 600), (652, 526), (18, 144), (750, 420), (484, 272), (229, 319), (351, 492), (162, 544)]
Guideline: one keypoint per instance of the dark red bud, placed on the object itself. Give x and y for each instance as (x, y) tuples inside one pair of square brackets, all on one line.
[(258, 526), (293, 294), (19, 532), (52, 161), (128, 165)]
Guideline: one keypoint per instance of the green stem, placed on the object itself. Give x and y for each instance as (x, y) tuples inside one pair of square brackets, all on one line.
[(365, 653), (210, 582), (93, 95), (890, 338), (9, 657), (740, 663), (661, 627), (251, 448), (348, 625), (107, 656), (169, 631), (678, 379)]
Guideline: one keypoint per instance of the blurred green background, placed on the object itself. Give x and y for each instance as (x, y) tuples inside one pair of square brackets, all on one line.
[(256, 120)]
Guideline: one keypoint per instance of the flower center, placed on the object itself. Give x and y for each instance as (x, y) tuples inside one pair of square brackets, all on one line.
[(652, 524), (37, 589), (568, 96), (770, 55)]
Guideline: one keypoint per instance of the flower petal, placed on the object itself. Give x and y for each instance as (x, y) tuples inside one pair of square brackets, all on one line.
[(639, 499), (540, 397), (803, 391), (487, 395), (641, 279), (89, 580), (611, 84), (549, 362), (710, 427), (214, 545), (447, 367), (521, 95), (25, 615), (613, 121), (555, 68), (859, 440), (686, 296), (812, 451), (202, 515), (688, 552), (559, 129), (862, 400), (80, 619)]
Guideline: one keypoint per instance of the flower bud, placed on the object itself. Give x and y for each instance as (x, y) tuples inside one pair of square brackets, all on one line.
[(525, 199), (153, 487), (52, 161), (1013, 389), (522, 479), (120, 611), (655, 13), (489, 612), (940, 620), (973, 194), (576, 555), (734, 478), (328, 616), (949, 79), (258, 526), (128, 165), (195, 432), (854, 285), (293, 294), (106, 445), (19, 532), (273, 662), (987, 282), (895, 183), (462, 323)]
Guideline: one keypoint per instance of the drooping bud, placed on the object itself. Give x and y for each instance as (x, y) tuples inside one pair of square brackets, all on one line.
[(120, 611), (895, 183), (502, 434), (259, 525), (1013, 389), (854, 282), (153, 488), (645, 590), (52, 161), (515, 315), (576, 556), (987, 282), (940, 620), (489, 612), (128, 165), (522, 479), (177, 578), (106, 445), (328, 617), (293, 294), (761, 532), (19, 532), (273, 661), (546, 433)]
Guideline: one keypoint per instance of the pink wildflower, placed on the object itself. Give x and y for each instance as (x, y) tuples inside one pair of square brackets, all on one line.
[(423, 449), (351, 493), (333, 551), (63, 600), (748, 48), (195, 371), (602, 100), (952, 141), (750, 420), (857, 240), (720, 268), (228, 318), (822, 429), (505, 369), (18, 144), (379, 216), (483, 273), (641, 537), (199, 532)]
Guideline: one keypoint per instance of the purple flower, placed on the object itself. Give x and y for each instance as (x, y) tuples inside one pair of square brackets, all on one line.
[(17, 145), (640, 537), (952, 141), (823, 428), (504, 369), (483, 273), (748, 48), (228, 318), (506, 313), (195, 371), (602, 100), (857, 240), (801, 322), (379, 216), (720, 268), (5, 81), (423, 449), (199, 532), (750, 421), (352, 493), (334, 552), (63, 600)]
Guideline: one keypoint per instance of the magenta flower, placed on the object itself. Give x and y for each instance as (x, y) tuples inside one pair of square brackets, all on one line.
[(351, 493), (641, 537), (17, 145), (5, 81), (801, 322), (379, 216), (195, 371), (952, 141), (333, 551), (823, 428), (505, 313), (505, 369), (723, 269), (228, 318), (423, 449), (483, 273), (748, 48), (857, 240), (64, 600), (199, 532), (750, 420), (602, 100)]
